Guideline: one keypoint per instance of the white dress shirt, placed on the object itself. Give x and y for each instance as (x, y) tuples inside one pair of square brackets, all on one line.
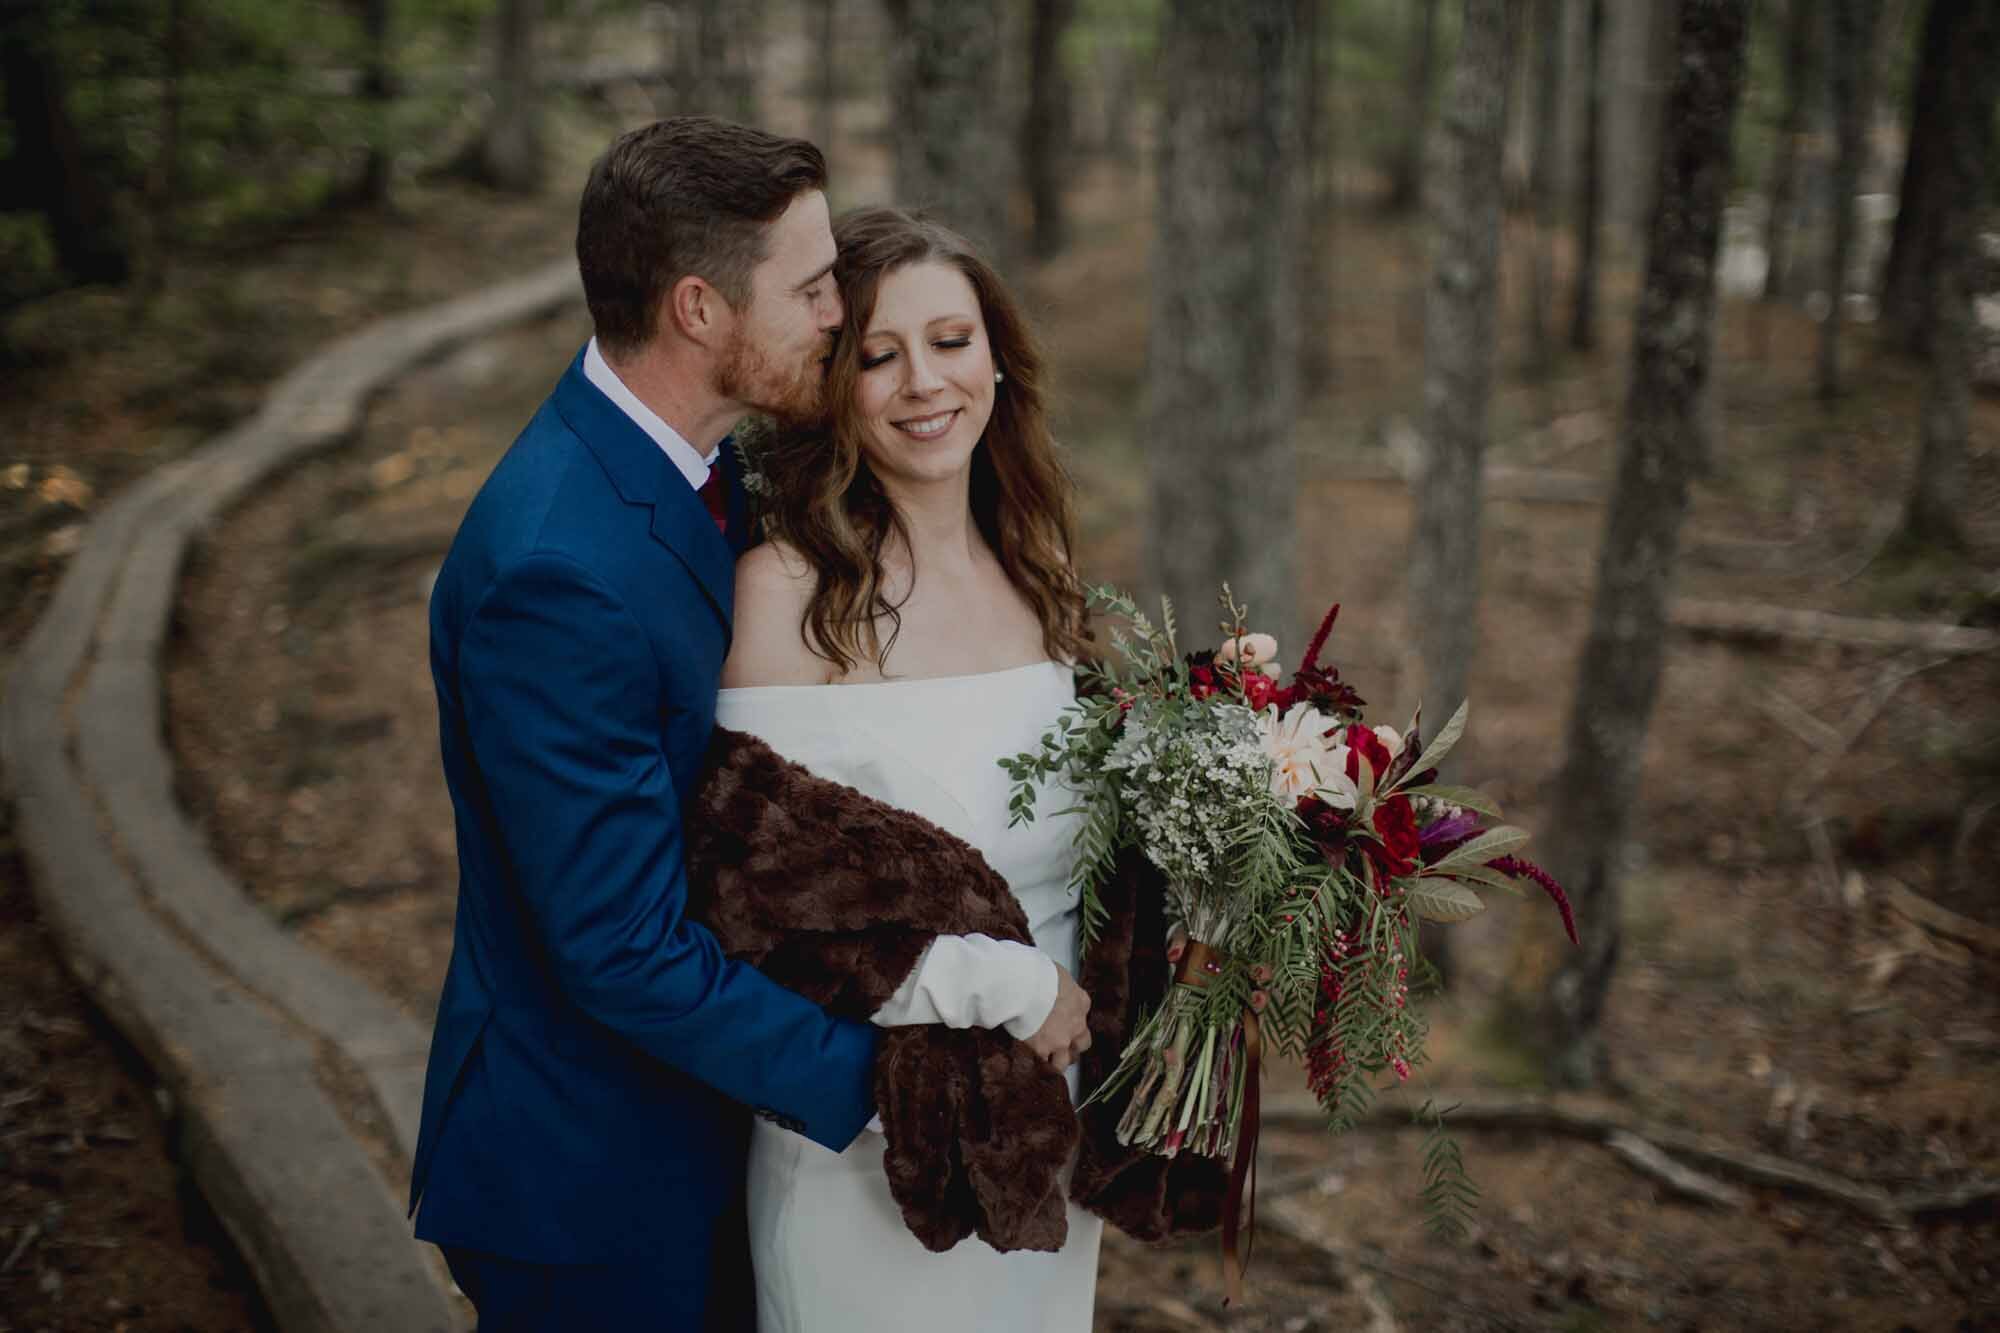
[(693, 464)]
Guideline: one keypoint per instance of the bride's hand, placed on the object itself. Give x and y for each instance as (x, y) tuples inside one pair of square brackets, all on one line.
[(1065, 1033)]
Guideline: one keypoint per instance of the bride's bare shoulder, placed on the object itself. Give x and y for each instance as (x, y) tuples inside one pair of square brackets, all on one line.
[(773, 586)]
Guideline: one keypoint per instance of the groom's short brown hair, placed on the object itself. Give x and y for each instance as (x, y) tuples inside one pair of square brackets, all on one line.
[(685, 195)]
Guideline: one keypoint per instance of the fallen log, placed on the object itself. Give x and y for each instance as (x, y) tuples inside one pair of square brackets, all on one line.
[(1758, 621), (1746, 1166), (1644, 1158), (1938, 920)]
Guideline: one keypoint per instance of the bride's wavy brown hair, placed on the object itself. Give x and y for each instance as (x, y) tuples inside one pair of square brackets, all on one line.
[(825, 501)]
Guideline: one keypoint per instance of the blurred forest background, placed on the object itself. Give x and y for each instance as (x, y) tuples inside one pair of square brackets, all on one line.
[(1632, 369)]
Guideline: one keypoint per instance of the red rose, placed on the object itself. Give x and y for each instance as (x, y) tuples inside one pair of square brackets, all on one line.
[(1201, 682), (1258, 689), (1396, 827), (1362, 741)]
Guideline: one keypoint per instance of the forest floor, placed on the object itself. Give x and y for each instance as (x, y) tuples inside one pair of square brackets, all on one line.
[(1762, 1001)]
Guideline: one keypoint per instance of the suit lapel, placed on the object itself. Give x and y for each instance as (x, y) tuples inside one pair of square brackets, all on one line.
[(643, 475)]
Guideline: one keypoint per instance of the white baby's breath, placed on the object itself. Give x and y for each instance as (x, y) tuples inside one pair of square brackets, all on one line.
[(1180, 775)]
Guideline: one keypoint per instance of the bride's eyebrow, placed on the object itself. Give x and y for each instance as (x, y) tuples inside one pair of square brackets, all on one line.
[(929, 326)]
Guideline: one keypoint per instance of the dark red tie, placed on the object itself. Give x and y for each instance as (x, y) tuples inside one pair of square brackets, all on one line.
[(718, 504)]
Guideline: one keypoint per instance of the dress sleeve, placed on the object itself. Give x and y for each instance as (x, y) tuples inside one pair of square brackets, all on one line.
[(975, 981)]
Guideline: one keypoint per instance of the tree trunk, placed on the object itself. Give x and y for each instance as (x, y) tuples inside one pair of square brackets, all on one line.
[(1315, 201), (1850, 62), (51, 174), (378, 90), (1924, 197), (713, 41), (163, 182), (1801, 26), (1638, 68), (1548, 67), (1589, 187), (510, 154), (1618, 677), (1117, 70), (826, 83), (1221, 388), (1459, 324), (1045, 136), (952, 153), (727, 36), (1406, 182), (1969, 85)]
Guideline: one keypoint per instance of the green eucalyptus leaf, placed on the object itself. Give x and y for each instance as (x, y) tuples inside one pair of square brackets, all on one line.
[(1494, 842), (1438, 899), (1480, 875), (1435, 752), (1469, 797)]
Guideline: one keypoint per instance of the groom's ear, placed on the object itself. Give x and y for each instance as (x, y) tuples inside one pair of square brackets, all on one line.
[(697, 311)]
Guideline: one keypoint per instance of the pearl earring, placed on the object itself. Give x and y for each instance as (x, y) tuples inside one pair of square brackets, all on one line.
[(999, 375)]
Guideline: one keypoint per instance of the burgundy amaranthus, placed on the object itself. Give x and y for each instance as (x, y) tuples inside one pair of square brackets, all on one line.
[(1321, 686), (1522, 868)]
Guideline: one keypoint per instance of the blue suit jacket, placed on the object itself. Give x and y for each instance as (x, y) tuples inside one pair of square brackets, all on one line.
[(594, 1050)]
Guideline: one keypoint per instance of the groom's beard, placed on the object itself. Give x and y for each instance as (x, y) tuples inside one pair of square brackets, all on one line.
[(795, 395)]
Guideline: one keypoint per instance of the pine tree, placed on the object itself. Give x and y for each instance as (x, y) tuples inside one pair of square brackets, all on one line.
[(1221, 372), (1460, 319), (1619, 674), (954, 156)]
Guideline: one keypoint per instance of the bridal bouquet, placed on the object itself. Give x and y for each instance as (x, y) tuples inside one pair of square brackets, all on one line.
[(1299, 848)]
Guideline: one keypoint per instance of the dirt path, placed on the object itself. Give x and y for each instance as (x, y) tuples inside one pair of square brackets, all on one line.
[(96, 1228)]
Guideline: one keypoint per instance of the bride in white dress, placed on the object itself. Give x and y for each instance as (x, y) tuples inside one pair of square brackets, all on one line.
[(911, 621)]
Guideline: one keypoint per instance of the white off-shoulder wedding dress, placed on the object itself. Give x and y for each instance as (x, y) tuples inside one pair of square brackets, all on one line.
[(828, 1243)]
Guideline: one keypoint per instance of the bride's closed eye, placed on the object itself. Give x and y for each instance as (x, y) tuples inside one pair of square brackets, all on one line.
[(952, 344)]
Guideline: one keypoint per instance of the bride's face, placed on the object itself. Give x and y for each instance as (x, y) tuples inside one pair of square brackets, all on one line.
[(925, 390)]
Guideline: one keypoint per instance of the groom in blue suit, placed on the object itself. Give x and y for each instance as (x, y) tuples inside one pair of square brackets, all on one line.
[(584, 1129)]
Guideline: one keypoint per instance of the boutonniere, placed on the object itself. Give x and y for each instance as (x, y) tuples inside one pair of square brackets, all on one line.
[(751, 436)]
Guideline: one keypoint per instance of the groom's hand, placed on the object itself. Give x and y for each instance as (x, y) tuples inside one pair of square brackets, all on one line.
[(1065, 1033)]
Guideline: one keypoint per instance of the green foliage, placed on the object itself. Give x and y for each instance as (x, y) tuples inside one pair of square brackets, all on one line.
[(1436, 898), (1493, 843), (1104, 31), (272, 123), (1370, 72), (1469, 797), (1450, 1197), (1435, 752)]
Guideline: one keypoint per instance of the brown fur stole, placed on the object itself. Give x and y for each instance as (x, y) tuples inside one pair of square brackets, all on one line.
[(836, 895)]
